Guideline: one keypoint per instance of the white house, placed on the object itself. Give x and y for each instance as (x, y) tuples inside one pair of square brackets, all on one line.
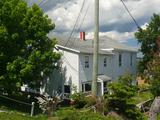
[(115, 59)]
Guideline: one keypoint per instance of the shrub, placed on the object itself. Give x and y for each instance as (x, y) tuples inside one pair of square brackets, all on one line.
[(80, 100), (90, 100), (121, 99), (143, 87), (134, 114)]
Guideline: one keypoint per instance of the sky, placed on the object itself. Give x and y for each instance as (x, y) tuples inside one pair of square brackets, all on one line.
[(114, 20)]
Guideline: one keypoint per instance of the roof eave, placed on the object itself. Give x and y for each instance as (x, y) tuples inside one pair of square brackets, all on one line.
[(69, 49)]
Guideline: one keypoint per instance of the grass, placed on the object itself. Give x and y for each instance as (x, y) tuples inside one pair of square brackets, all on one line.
[(9, 105), (67, 113), (17, 111), (76, 114), (19, 116), (158, 117)]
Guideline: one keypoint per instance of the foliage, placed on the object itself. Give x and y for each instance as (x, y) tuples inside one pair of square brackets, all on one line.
[(91, 101), (126, 79), (147, 38), (94, 103), (154, 75), (143, 96), (144, 87), (150, 47), (26, 53), (80, 100), (158, 117), (121, 99)]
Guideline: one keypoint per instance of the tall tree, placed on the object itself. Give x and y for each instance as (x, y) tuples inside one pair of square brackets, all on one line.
[(150, 47), (147, 38), (26, 52), (153, 73)]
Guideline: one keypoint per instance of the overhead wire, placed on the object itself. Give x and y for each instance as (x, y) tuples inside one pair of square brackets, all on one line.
[(70, 64), (118, 10), (84, 17), (75, 23), (43, 2), (125, 6), (81, 24)]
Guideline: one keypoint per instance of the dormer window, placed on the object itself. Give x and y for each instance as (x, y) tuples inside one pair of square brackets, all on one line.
[(86, 61)]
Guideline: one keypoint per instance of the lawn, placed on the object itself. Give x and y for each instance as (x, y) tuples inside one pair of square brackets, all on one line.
[(67, 113), (19, 116), (78, 114), (10, 105)]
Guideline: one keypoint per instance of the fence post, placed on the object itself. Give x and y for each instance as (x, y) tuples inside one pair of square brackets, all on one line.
[(32, 109)]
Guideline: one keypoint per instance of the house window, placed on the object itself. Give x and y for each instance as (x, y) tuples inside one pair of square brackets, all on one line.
[(131, 60), (105, 62), (86, 61), (120, 60), (67, 89), (86, 87)]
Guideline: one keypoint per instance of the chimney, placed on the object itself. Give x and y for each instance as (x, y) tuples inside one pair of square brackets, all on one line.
[(82, 36)]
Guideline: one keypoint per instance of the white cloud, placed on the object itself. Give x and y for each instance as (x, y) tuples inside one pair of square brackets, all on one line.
[(113, 16), (144, 26), (121, 37)]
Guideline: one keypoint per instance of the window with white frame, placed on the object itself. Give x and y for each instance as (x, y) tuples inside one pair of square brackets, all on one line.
[(105, 61), (86, 62), (86, 87), (131, 59), (120, 59)]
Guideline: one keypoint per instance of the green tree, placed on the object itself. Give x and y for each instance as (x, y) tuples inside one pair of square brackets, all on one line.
[(147, 38), (120, 98), (153, 74), (25, 49)]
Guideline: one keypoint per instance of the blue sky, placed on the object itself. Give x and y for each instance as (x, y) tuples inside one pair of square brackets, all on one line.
[(114, 20)]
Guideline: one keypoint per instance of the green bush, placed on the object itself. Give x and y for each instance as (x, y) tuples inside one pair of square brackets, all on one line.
[(134, 114), (144, 87), (121, 99), (80, 100), (90, 100)]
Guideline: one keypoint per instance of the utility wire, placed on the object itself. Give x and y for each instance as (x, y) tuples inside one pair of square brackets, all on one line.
[(80, 26), (42, 2), (119, 11), (75, 23), (72, 67), (131, 15)]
